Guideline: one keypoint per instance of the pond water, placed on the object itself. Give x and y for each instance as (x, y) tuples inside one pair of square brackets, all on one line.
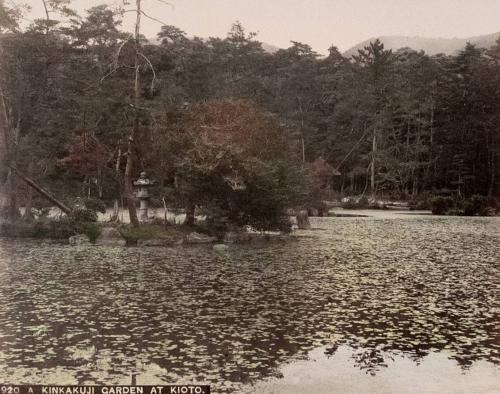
[(388, 303)]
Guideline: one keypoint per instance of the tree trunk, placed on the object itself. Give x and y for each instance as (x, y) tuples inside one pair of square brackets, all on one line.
[(116, 207), (47, 16), (128, 189), (11, 203), (9, 134), (491, 189), (129, 168), (303, 222), (372, 166), (165, 213), (116, 212), (303, 149), (28, 215), (99, 182), (189, 221)]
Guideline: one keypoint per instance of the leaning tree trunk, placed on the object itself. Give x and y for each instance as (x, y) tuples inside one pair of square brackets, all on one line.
[(63, 207)]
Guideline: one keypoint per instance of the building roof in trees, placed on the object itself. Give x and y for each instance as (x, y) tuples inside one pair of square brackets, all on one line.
[(323, 169)]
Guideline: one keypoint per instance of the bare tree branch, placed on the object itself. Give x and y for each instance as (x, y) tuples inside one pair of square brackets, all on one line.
[(117, 55), (152, 69), (166, 3), (115, 60), (153, 19), (108, 74)]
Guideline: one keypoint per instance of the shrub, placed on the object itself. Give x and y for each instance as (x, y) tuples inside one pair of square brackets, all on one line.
[(4, 212), (419, 205), (472, 206), (17, 230), (441, 205), (363, 202), (322, 208), (216, 222), (475, 205), (56, 229), (455, 212), (66, 227), (152, 231), (83, 215), (421, 202), (349, 204), (94, 204)]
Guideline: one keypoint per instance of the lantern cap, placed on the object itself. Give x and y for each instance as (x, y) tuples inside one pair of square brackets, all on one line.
[(144, 180)]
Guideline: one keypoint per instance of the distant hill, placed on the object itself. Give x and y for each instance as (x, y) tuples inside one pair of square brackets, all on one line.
[(431, 46), (270, 48)]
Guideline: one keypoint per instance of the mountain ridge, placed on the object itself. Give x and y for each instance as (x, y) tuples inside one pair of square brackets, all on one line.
[(430, 45)]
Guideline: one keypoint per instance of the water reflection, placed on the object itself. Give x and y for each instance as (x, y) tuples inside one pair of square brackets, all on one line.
[(379, 286), (326, 375)]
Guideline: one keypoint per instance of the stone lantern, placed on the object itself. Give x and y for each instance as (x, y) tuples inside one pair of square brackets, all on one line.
[(143, 184)]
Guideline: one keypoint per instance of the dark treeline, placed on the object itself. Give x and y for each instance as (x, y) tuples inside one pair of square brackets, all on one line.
[(397, 124)]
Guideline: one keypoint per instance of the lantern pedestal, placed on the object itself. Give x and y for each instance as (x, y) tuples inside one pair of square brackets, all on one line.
[(143, 184)]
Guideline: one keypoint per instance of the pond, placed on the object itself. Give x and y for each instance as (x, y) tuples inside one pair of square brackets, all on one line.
[(388, 303)]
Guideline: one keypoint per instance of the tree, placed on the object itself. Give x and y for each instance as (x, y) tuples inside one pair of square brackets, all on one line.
[(375, 69), (131, 151), (297, 90), (9, 17), (467, 119), (493, 142), (236, 163)]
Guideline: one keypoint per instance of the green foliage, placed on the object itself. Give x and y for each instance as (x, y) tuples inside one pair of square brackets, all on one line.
[(9, 17), (434, 119), (22, 230), (419, 205), (155, 231), (221, 165), (95, 205), (216, 220), (83, 215), (475, 205), (62, 228), (66, 227), (441, 205)]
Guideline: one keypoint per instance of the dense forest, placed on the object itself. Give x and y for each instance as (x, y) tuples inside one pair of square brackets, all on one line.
[(85, 107)]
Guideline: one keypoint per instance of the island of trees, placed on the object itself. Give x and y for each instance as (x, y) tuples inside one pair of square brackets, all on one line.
[(231, 131)]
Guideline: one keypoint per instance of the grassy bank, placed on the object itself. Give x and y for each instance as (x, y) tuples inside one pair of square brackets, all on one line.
[(53, 229), (64, 228), (170, 234)]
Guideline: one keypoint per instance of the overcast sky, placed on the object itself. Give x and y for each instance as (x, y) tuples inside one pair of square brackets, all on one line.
[(319, 23)]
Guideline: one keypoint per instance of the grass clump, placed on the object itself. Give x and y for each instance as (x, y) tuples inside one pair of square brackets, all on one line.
[(152, 231)]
